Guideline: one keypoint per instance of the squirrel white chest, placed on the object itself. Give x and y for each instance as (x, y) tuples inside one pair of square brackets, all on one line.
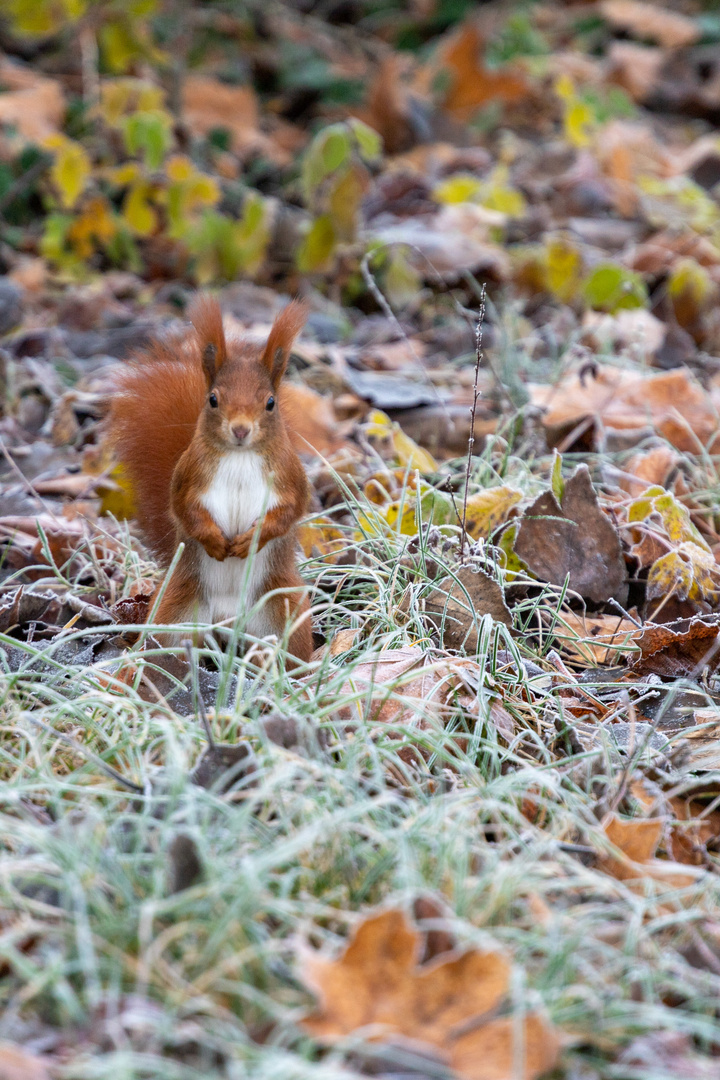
[(237, 498), (239, 493)]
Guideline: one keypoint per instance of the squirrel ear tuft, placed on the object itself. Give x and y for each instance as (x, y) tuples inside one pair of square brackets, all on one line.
[(206, 317), (285, 329)]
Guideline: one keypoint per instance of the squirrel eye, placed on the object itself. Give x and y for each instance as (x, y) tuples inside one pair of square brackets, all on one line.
[(270, 404), (213, 401)]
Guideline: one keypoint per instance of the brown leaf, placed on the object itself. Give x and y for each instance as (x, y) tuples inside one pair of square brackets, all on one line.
[(636, 68), (32, 103), (209, 104), (600, 639), (673, 402), (651, 22), (637, 841), (449, 609), (681, 648), (311, 420), (19, 1064), (472, 84), (576, 538), (377, 980), (648, 469)]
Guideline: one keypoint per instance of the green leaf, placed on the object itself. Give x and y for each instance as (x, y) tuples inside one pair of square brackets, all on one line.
[(335, 150), (557, 483), (369, 141), (611, 288), (149, 134), (316, 249)]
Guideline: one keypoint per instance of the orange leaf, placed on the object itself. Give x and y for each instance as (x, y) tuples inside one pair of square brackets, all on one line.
[(472, 83), (377, 980)]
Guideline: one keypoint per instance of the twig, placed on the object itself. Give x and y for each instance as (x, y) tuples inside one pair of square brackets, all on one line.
[(187, 645), (473, 410)]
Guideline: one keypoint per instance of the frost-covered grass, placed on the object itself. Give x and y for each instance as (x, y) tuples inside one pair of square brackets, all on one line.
[(115, 975)]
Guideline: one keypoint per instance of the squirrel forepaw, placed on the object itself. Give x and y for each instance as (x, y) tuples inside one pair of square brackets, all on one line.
[(216, 549), (239, 548)]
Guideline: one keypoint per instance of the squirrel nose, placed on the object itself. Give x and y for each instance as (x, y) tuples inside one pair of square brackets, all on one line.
[(241, 432)]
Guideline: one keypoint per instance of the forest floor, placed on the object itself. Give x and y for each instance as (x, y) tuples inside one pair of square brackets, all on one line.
[(477, 835)]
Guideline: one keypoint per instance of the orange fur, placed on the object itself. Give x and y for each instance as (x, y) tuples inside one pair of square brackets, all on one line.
[(284, 330), (152, 421), (171, 435), (205, 315)]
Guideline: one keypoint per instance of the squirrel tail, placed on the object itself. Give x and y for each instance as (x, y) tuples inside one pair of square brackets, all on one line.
[(152, 420)]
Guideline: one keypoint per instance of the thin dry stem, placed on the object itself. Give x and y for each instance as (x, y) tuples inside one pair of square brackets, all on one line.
[(473, 410)]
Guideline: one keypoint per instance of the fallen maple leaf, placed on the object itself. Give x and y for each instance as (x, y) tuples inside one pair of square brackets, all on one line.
[(377, 981), (472, 84)]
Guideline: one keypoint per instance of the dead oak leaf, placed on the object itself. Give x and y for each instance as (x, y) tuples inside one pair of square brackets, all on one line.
[(573, 538), (378, 981)]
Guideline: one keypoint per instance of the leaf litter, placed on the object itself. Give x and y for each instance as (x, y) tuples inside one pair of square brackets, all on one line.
[(517, 728)]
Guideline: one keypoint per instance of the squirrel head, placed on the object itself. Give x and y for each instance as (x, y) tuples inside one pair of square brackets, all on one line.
[(241, 407)]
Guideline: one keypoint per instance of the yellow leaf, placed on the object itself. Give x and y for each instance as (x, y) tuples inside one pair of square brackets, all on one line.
[(70, 170), (578, 124), (488, 509), (321, 539), (563, 268), (316, 250), (95, 224), (344, 201), (689, 572), (406, 449), (458, 189), (137, 211), (118, 497), (118, 97)]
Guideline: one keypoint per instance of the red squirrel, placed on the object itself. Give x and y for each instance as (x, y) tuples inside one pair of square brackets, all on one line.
[(197, 426)]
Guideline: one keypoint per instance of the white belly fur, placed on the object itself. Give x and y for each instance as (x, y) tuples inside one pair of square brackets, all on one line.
[(239, 494)]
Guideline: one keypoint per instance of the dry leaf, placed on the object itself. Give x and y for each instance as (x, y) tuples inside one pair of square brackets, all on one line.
[(649, 469), (208, 104), (651, 22), (636, 68), (455, 607), (472, 84), (30, 102), (377, 981), (574, 538), (19, 1064), (678, 649), (637, 842), (673, 402), (600, 639)]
